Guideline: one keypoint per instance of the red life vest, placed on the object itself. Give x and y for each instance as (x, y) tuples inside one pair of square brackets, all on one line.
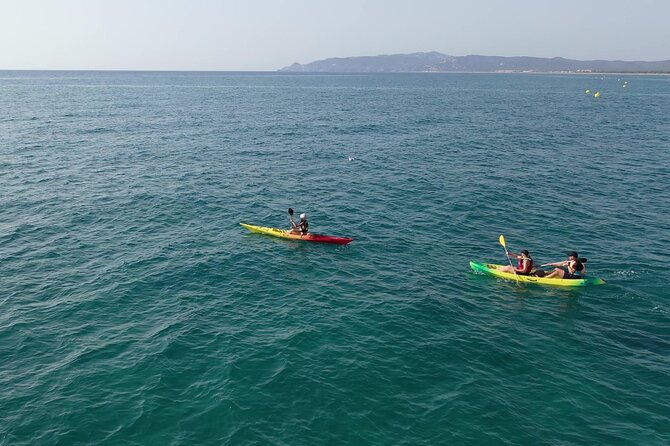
[(530, 264)]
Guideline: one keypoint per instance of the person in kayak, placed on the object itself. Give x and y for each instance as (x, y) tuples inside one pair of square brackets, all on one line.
[(300, 228), (525, 265), (573, 268)]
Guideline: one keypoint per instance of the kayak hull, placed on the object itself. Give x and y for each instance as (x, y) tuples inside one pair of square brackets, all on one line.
[(493, 270), (309, 237)]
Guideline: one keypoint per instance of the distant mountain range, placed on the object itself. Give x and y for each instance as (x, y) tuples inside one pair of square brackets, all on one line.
[(442, 63)]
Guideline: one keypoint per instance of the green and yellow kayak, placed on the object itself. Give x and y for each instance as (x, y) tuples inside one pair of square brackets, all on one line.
[(494, 270), (309, 237)]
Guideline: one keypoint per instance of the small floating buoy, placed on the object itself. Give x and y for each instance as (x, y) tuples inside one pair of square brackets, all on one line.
[(587, 91), (624, 85), (597, 95), (351, 158)]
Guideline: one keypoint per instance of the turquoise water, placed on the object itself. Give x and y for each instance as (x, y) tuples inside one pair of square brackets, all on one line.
[(135, 310)]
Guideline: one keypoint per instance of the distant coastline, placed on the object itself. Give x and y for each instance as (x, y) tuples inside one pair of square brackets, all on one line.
[(434, 62)]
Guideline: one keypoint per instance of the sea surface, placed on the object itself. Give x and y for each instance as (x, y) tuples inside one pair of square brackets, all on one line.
[(134, 309)]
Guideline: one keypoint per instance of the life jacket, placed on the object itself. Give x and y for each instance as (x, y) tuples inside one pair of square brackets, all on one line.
[(529, 268)]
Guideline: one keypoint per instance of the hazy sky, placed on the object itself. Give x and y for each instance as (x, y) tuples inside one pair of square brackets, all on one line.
[(267, 35)]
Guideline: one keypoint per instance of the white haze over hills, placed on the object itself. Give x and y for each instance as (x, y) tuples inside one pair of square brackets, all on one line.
[(437, 62)]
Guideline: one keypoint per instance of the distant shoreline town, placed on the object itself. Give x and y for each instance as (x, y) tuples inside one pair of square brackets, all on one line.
[(434, 62)]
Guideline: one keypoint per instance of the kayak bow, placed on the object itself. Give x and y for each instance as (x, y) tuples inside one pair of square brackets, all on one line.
[(309, 237), (494, 270)]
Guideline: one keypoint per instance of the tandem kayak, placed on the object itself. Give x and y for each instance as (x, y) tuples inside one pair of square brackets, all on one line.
[(493, 270), (309, 237)]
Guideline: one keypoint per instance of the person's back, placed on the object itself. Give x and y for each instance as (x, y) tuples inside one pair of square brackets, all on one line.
[(525, 265), (303, 226)]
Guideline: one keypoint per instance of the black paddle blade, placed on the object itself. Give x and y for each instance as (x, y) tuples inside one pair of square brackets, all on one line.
[(290, 212)]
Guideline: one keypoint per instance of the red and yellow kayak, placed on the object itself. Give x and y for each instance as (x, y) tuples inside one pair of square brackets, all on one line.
[(309, 237), (494, 270)]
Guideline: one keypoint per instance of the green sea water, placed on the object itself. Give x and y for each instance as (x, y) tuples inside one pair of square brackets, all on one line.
[(135, 310)]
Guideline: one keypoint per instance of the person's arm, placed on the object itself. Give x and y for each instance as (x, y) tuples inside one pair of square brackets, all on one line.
[(555, 264), (513, 254)]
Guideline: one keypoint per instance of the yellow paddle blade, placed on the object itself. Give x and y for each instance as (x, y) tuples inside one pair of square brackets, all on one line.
[(502, 241)]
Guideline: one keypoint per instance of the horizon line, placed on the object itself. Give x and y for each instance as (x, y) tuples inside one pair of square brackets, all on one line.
[(302, 73)]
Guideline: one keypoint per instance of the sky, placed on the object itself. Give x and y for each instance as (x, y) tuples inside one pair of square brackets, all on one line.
[(255, 35)]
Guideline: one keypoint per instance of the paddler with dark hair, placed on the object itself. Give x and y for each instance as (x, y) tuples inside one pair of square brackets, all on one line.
[(299, 228), (525, 265), (573, 268)]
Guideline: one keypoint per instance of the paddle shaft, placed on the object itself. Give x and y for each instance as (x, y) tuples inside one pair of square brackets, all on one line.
[(510, 264), (502, 242), (290, 217)]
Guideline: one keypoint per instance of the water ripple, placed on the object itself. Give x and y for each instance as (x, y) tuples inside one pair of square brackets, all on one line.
[(136, 310)]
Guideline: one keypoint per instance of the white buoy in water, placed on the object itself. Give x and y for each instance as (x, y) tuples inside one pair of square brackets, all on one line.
[(597, 95), (587, 91)]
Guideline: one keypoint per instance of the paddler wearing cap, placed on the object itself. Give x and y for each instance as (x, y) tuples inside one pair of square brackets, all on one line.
[(573, 268), (300, 228)]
